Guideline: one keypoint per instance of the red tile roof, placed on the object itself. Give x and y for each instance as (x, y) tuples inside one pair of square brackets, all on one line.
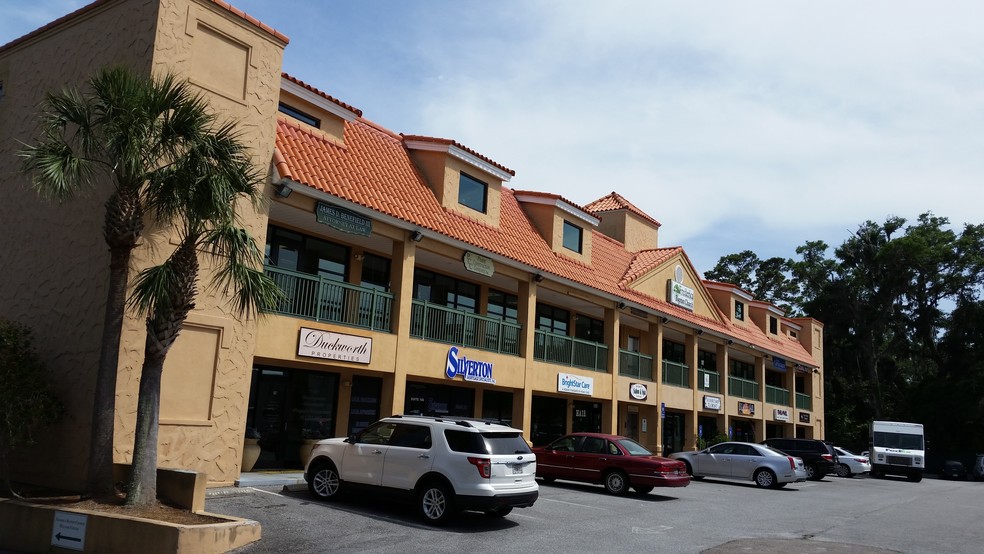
[(374, 169), (449, 142), (616, 201), (553, 196), (98, 3), (331, 99)]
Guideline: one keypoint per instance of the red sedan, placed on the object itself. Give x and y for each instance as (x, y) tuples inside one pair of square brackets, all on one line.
[(614, 461)]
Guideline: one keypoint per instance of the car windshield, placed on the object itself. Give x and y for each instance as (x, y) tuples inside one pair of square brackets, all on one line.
[(904, 441), (633, 448), (772, 451)]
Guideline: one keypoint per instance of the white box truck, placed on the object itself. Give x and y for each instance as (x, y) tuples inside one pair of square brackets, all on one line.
[(897, 448)]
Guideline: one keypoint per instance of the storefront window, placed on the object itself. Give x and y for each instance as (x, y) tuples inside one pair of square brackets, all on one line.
[(549, 419), (503, 305), (552, 320), (742, 370), (707, 360), (674, 352), (497, 407), (445, 291), (296, 252), (376, 272), (439, 400), (364, 403), (589, 328)]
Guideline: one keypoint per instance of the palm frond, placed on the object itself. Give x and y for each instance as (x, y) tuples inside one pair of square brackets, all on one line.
[(152, 290)]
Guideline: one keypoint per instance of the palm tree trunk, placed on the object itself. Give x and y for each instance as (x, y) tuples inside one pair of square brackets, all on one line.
[(123, 224)]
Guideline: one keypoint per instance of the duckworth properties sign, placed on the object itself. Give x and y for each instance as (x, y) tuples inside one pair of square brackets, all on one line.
[(315, 343)]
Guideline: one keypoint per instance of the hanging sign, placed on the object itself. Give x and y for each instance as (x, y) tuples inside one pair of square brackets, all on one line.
[(479, 264), (638, 391), (343, 220)]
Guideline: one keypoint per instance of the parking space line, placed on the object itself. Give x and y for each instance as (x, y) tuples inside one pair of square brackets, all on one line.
[(267, 492), (570, 503)]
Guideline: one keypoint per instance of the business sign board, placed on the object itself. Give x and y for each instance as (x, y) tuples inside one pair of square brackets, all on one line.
[(474, 371), (804, 417), (478, 264), (638, 391), (342, 219), (316, 343), (575, 384), (712, 402), (680, 295), (746, 408), (781, 414), (68, 530)]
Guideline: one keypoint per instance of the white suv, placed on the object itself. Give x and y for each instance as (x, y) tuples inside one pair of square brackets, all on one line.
[(443, 464)]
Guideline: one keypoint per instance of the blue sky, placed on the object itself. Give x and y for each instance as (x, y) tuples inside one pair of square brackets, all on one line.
[(738, 125)]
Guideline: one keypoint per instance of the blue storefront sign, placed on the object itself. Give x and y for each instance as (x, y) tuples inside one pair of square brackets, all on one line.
[(471, 370)]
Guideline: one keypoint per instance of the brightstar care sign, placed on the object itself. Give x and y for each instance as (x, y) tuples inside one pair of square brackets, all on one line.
[(472, 370)]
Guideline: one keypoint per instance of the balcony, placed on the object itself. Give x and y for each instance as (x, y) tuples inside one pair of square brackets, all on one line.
[(776, 395), (442, 324), (743, 388), (708, 380), (320, 299), (634, 364), (562, 349), (804, 402), (677, 375)]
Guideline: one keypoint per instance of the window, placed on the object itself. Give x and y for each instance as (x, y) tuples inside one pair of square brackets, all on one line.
[(446, 291), (551, 319), (572, 237), (674, 352), (503, 305), (742, 370), (376, 272), (300, 116), (472, 193), (589, 328), (739, 311), (707, 360), (411, 436), (633, 344), (296, 252), (773, 379), (773, 325)]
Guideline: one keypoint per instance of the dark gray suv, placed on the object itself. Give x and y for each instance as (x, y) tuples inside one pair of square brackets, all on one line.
[(818, 456)]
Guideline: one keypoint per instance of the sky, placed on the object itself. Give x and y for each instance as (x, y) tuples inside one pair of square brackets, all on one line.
[(752, 125)]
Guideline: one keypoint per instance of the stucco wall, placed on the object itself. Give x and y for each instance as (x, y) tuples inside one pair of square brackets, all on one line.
[(54, 260), (237, 66)]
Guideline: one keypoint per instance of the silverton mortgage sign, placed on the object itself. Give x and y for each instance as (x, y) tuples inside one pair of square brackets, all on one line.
[(315, 343)]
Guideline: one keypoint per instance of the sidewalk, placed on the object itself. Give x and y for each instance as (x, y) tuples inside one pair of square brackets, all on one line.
[(292, 479)]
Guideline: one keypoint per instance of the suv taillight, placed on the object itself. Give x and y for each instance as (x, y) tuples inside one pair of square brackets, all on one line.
[(484, 466), (792, 462), (827, 457)]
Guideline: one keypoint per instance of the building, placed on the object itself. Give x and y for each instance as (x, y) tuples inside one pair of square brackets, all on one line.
[(417, 280)]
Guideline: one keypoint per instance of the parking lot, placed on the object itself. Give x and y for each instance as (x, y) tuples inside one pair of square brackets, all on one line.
[(832, 515)]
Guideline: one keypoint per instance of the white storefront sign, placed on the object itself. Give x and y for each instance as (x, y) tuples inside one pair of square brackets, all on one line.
[(315, 343), (575, 384), (680, 295), (781, 414), (712, 403), (478, 264), (638, 391)]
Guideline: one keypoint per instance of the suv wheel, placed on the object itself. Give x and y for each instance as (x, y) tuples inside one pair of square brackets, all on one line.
[(435, 503), (812, 474), (324, 483), (616, 482)]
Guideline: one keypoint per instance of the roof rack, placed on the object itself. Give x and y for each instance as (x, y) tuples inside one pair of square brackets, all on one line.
[(463, 421)]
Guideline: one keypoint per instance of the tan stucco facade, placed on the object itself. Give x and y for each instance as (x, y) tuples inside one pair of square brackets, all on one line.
[(55, 271)]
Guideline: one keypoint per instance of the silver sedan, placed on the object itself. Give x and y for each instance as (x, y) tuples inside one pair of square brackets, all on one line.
[(744, 461)]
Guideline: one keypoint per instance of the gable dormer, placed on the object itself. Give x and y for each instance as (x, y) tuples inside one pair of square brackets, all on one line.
[(731, 300), (463, 180), (314, 110), (765, 316), (565, 226), (626, 223)]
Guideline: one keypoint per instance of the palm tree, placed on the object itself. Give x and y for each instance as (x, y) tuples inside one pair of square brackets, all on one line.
[(200, 195), (133, 129)]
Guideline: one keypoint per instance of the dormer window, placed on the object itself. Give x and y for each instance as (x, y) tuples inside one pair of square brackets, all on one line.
[(473, 193), (739, 310), (300, 116), (773, 325), (573, 237)]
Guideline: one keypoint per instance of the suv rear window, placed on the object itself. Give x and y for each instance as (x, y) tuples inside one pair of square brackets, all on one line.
[(486, 443)]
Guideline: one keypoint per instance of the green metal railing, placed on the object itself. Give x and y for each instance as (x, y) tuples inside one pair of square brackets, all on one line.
[(803, 402), (708, 380), (776, 395), (676, 374), (442, 324), (634, 364), (562, 349), (320, 299), (743, 388)]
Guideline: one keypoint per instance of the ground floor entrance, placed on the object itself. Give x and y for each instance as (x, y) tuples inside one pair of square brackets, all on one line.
[(742, 430), (674, 432)]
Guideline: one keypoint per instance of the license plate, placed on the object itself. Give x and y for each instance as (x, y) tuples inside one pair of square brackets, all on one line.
[(517, 469)]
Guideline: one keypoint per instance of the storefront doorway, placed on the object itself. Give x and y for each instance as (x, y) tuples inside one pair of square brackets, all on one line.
[(364, 404), (742, 430), (287, 407), (673, 433), (439, 400), (630, 424), (707, 427), (549, 419)]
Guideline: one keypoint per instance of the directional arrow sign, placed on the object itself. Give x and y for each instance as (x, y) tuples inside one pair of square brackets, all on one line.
[(68, 530)]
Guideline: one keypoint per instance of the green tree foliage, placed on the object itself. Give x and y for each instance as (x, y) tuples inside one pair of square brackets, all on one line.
[(27, 402), (903, 320)]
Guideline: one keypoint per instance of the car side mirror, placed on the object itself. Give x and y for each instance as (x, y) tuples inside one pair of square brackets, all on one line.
[(351, 439)]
